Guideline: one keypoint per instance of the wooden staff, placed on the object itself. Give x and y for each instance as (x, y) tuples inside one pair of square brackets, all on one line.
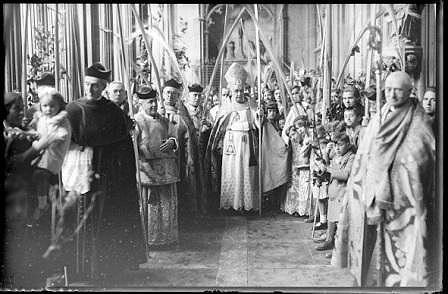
[(260, 129), (221, 70), (148, 46), (315, 212), (277, 68), (134, 141), (24, 73), (56, 76), (369, 67), (327, 64), (156, 70), (380, 226)]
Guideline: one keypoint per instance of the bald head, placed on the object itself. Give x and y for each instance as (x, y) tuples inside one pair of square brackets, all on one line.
[(398, 87)]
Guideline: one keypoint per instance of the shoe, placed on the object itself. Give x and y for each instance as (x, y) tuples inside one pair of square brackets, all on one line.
[(326, 246), (321, 226), (309, 220), (329, 243), (321, 238), (134, 267)]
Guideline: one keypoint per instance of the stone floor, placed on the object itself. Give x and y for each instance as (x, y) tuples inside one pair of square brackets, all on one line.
[(239, 251)]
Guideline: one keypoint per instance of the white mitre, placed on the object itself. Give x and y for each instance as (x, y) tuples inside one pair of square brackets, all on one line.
[(236, 75)]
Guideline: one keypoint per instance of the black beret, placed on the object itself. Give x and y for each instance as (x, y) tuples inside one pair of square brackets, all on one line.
[(195, 88), (46, 79), (97, 70), (145, 92), (173, 83)]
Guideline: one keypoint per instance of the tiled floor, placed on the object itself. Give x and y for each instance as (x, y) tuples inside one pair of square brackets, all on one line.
[(237, 251)]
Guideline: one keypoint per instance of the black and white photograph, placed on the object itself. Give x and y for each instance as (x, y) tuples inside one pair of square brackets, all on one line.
[(222, 147)]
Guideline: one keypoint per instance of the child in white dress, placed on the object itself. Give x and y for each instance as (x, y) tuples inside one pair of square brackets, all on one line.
[(51, 119)]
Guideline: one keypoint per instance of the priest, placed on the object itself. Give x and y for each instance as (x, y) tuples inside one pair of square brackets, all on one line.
[(386, 234), (100, 167), (231, 157), (189, 186)]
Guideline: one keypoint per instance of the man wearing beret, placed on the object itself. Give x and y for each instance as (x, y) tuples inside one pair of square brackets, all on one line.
[(202, 127), (190, 180), (159, 171), (100, 166)]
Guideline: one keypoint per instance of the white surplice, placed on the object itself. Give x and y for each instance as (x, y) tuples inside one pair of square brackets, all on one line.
[(239, 182)]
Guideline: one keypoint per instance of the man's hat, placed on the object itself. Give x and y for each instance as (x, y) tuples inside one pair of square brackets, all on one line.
[(173, 83), (10, 97), (195, 88), (46, 79), (98, 71), (145, 92), (236, 75)]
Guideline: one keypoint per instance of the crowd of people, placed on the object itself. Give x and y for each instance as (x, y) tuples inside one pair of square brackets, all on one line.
[(121, 173)]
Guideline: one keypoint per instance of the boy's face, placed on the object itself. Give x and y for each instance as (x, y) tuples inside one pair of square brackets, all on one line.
[(348, 98), (267, 95), (277, 96), (296, 95), (335, 97), (323, 145), (281, 123), (272, 113), (342, 147), (350, 118)]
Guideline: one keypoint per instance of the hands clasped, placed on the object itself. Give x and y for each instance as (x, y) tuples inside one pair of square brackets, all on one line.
[(167, 145)]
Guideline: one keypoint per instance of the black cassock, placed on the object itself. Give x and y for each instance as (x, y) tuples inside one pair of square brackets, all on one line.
[(112, 239)]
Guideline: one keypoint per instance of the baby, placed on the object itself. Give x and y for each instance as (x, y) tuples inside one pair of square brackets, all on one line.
[(52, 119)]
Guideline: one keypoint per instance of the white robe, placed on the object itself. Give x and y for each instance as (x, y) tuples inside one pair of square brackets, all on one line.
[(239, 182)]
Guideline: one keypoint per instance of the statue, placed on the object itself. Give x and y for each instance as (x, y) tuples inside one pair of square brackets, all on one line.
[(410, 27), (230, 52)]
